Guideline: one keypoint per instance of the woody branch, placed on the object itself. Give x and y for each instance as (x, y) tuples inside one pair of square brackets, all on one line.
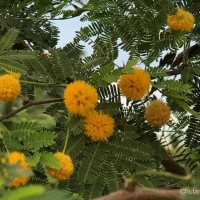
[(28, 104)]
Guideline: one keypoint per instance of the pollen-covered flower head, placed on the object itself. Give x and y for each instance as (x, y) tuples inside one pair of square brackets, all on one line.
[(9, 87), (182, 20), (135, 85), (98, 126), (14, 158), (157, 113), (80, 97), (66, 170)]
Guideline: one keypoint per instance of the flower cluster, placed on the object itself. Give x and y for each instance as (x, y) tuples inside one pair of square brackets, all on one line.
[(157, 113), (98, 126), (66, 169), (135, 85), (80, 98), (182, 20), (9, 87), (14, 158)]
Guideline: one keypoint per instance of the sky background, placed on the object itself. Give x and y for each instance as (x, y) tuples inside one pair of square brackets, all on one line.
[(67, 33)]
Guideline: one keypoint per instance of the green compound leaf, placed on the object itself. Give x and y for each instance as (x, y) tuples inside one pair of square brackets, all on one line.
[(34, 159), (49, 159), (91, 163), (8, 39), (174, 85), (129, 66), (186, 107), (114, 77)]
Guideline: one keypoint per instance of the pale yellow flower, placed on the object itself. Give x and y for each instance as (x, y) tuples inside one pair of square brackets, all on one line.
[(157, 113)]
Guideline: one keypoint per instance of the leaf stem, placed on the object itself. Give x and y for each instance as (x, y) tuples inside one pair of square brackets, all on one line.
[(67, 135), (43, 83), (187, 177)]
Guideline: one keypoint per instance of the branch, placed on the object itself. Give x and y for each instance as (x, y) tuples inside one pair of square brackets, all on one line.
[(174, 72), (138, 193), (173, 167), (171, 72), (29, 104), (192, 51)]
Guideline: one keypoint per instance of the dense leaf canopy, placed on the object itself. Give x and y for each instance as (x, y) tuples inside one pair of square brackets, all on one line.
[(135, 149)]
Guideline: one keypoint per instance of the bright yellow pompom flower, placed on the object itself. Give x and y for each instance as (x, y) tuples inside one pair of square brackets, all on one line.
[(9, 87), (80, 98), (157, 113), (136, 85), (66, 170), (182, 20), (14, 158), (98, 126)]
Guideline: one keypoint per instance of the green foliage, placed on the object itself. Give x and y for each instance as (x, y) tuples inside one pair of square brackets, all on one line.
[(25, 136), (48, 159), (134, 26), (38, 192), (177, 86), (94, 190), (11, 60), (112, 177), (24, 193), (57, 194), (8, 39), (34, 159), (156, 72), (38, 34)]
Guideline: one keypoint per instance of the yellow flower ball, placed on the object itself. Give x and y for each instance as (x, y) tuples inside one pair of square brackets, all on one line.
[(9, 87), (14, 158), (136, 85), (98, 126), (80, 97), (66, 170), (182, 20), (157, 113)]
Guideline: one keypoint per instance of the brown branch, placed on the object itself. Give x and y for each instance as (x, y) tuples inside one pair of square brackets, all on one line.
[(174, 72), (139, 193), (193, 50), (171, 72), (29, 104), (173, 167)]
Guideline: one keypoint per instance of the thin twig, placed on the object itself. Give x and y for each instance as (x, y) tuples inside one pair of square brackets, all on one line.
[(29, 104), (67, 135)]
